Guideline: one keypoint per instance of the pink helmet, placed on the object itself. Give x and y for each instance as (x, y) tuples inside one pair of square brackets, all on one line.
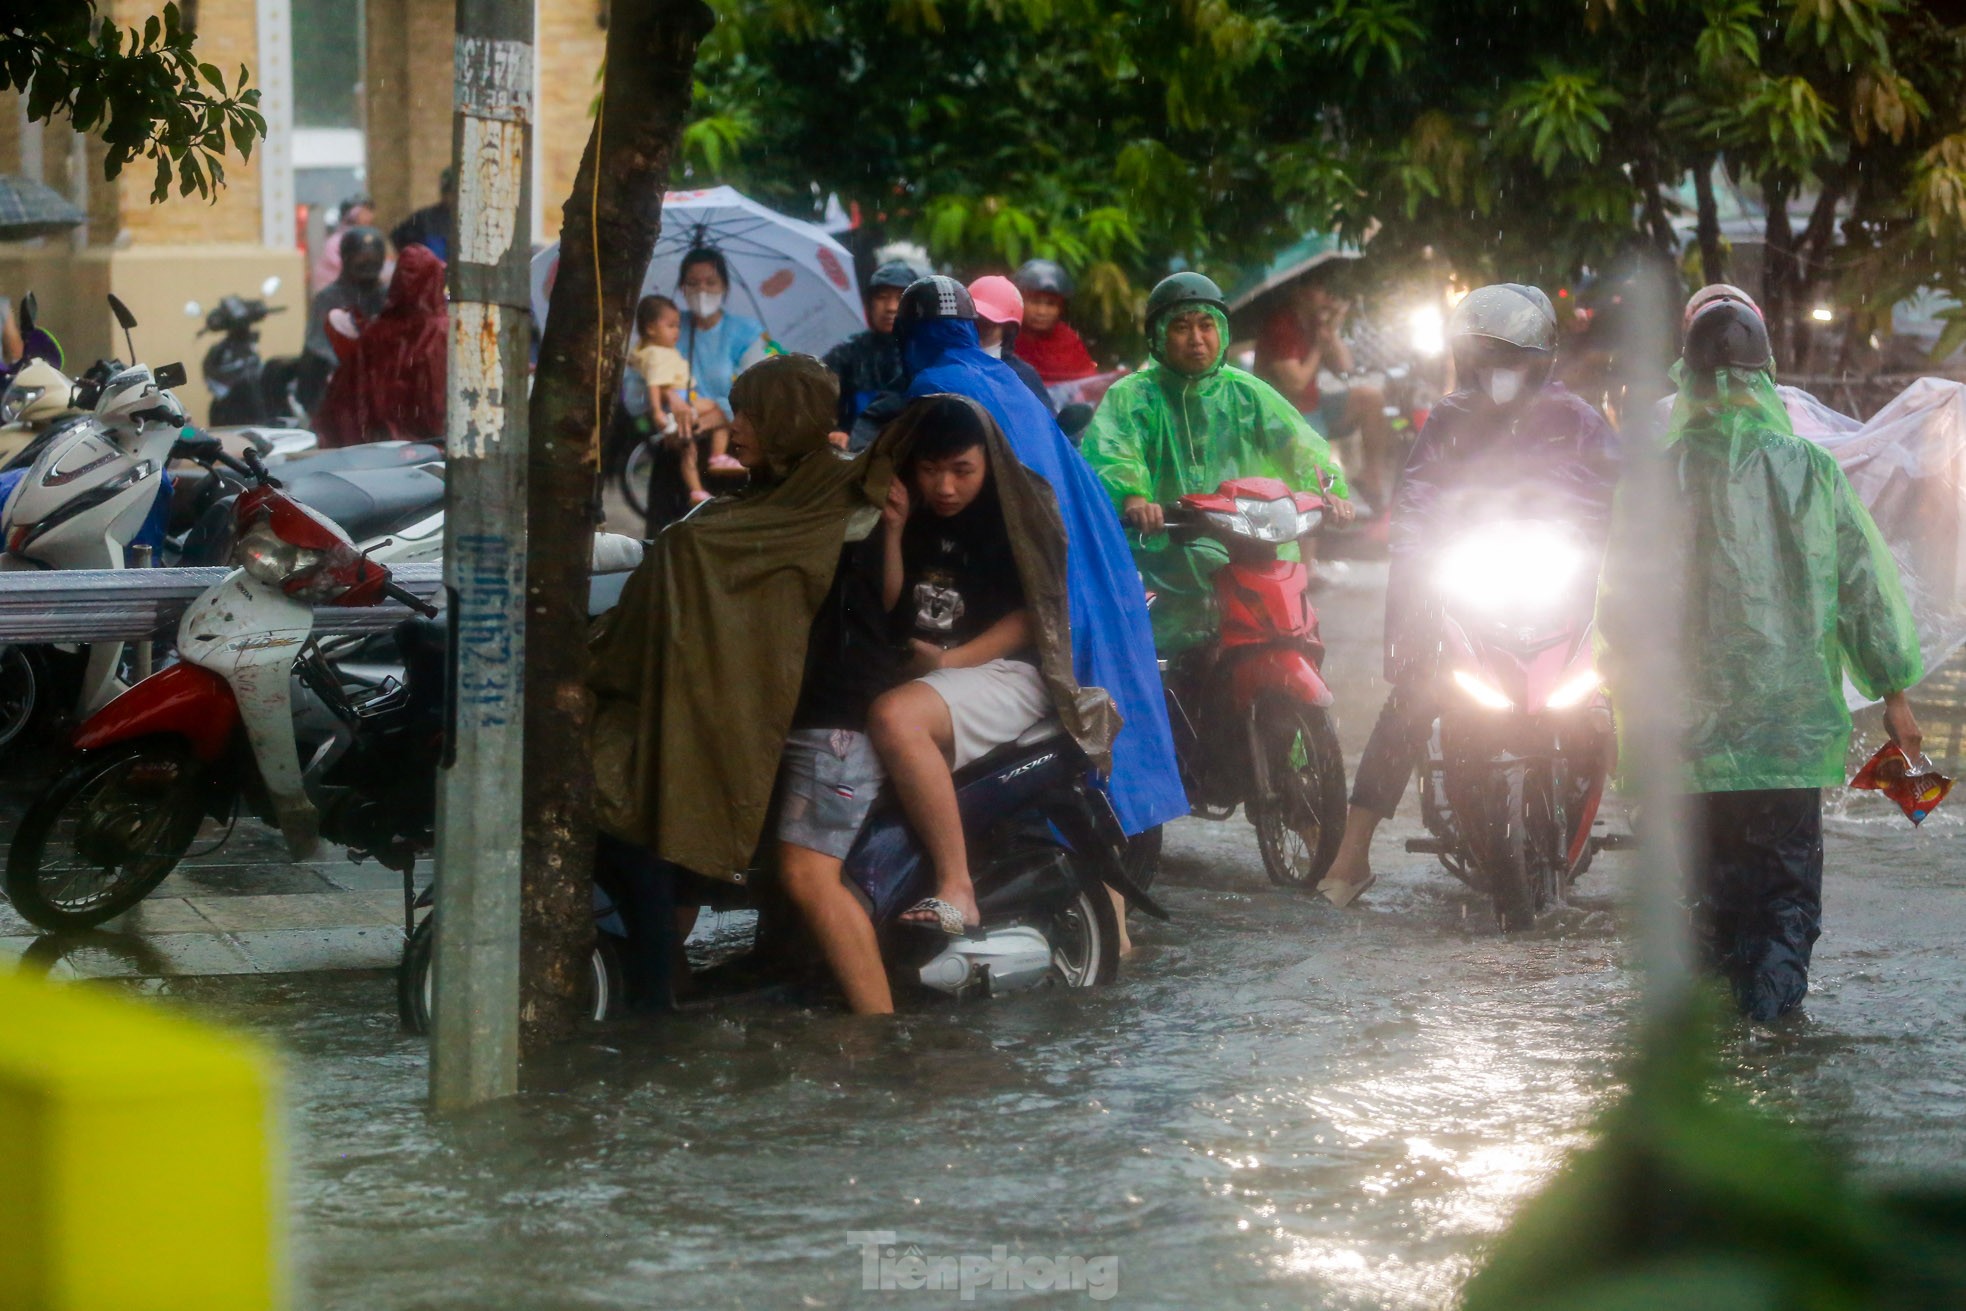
[(997, 299)]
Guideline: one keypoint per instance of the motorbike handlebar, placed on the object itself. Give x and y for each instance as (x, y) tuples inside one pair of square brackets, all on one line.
[(410, 599)]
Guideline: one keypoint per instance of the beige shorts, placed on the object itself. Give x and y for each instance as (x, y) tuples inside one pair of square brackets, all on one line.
[(990, 704)]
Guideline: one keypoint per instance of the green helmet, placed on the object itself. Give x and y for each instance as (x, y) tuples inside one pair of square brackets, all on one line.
[(1180, 289)]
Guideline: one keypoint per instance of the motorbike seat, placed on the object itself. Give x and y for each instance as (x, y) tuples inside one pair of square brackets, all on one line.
[(370, 503)]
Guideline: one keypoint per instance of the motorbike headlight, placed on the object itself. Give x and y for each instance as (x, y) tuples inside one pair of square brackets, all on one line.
[(16, 401), (1269, 521), (1573, 692), (1429, 328), (1482, 692), (262, 553), (1510, 567)]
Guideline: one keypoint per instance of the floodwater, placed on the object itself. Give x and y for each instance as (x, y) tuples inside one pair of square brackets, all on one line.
[(1277, 1105)]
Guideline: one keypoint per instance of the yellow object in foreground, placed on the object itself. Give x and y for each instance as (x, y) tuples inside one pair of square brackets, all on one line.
[(137, 1159)]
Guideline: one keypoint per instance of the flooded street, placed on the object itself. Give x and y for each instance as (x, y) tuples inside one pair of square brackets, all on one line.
[(1278, 1105)]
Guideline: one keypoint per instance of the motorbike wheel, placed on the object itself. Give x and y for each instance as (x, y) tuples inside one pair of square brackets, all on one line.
[(416, 989), (1523, 878), (1299, 827), (1085, 938), (20, 693), (104, 834), (635, 472)]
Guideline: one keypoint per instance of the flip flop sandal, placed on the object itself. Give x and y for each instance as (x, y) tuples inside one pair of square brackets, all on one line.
[(948, 919), (1342, 893)]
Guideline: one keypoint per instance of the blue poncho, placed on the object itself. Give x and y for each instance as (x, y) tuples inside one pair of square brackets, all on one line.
[(1112, 643)]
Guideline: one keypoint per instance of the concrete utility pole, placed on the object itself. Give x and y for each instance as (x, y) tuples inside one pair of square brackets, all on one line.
[(475, 1022)]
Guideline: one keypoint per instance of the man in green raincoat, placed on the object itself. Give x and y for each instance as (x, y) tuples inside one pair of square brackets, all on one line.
[(1786, 586), (1186, 423)]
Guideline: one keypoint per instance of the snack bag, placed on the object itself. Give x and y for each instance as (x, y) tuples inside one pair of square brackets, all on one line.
[(1916, 786)]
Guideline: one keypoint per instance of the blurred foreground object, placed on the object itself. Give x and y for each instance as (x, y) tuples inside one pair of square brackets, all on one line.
[(137, 1165), (1916, 785), (1692, 1198)]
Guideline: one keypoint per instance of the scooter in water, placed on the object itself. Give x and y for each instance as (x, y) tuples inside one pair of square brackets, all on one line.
[(246, 390), (1251, 712), (214, 733), (1517, 760)]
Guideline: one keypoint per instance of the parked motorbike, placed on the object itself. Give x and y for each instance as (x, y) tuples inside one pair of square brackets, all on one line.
[(244, 389), (1047, 845), (215, 732), (1251, 713), (1517, 760), (35, 394)]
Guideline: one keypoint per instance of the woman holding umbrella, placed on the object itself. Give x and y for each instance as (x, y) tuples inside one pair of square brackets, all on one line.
[(718, 344)]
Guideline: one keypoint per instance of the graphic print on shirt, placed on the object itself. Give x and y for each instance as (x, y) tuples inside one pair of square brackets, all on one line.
[(938, 605)]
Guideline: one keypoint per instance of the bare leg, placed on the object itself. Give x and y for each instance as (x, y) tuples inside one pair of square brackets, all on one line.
[(719, 442), (845, 934), (1353, 866), (686, 458), (1366, 407), (916, 739), (1119, 909)]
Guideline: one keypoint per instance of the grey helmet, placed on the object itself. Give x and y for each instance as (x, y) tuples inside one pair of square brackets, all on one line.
[(1504, 341), (1041, 275), (896, 273), (1507, 312)]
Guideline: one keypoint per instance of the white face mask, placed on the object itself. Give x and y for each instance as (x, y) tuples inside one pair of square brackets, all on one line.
[(994, 350), (703, 304), (1503, 385)]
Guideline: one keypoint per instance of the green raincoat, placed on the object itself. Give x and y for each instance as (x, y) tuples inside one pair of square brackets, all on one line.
[(1162, 434), (1788, 587)]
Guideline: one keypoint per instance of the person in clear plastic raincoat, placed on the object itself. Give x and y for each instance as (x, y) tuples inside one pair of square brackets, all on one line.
[(1786, 587), (1186, 423)]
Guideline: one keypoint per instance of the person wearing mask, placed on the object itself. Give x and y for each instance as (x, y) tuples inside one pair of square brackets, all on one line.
[(999, 316), (1508, 438), (357, 290), (716, 343), (1047, 343), (430, 226), (1111, 639), (355, 212), (1305, 335), (1186, 423), (1785, 588), (868, 364), (391, 383)]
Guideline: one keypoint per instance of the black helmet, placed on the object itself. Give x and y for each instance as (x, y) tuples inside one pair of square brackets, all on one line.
[(935, 297), (1726, 335), (895, 273), (1182, 289), (1043, 275)]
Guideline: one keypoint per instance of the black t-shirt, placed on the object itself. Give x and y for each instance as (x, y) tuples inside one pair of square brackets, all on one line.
[(851, 655), (959, 575)]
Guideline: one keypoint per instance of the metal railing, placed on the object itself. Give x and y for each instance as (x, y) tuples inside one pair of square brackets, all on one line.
[(125, 605)]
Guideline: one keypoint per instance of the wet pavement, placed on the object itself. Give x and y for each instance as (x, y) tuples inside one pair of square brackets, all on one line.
[(1277, 1104)]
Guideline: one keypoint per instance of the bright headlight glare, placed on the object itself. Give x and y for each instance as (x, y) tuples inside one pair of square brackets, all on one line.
[(1482, 692), (1574, 691), (1429, 330), (1510, 566)]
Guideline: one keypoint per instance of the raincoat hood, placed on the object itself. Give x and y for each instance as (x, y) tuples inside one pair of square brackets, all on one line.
[(417, 287), (1112, 642), (790, 400), (1787, 587), (1157, 340)]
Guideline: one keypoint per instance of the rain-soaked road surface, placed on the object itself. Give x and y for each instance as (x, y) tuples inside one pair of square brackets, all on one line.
[(1278, 1105)]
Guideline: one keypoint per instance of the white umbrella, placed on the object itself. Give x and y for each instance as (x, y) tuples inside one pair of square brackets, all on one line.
[(789, 275)]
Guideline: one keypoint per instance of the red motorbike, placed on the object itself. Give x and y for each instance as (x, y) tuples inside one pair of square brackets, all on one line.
[(1251, 713)]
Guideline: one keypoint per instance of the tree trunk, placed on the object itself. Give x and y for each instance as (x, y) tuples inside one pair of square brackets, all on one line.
[(1713, 267), (651, 61)]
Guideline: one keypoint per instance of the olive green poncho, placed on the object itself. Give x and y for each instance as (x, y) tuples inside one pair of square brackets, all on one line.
[(696, 673), (1787, 586)]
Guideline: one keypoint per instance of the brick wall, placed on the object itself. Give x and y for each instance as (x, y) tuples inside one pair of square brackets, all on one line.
[(571, 46), (408, 102)]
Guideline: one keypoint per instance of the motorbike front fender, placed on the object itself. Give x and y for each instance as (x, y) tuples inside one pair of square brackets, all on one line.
[(1278, 669), (181, 700)]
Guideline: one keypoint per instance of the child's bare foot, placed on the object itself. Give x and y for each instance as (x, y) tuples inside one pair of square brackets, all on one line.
[(725, 464)]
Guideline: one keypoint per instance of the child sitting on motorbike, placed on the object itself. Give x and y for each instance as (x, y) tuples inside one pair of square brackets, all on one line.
[(951, 585)]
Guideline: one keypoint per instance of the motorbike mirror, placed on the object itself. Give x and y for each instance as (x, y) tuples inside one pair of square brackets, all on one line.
[(170, 375), (192, 309), (29, 310), (270, 287), (122, 313)]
